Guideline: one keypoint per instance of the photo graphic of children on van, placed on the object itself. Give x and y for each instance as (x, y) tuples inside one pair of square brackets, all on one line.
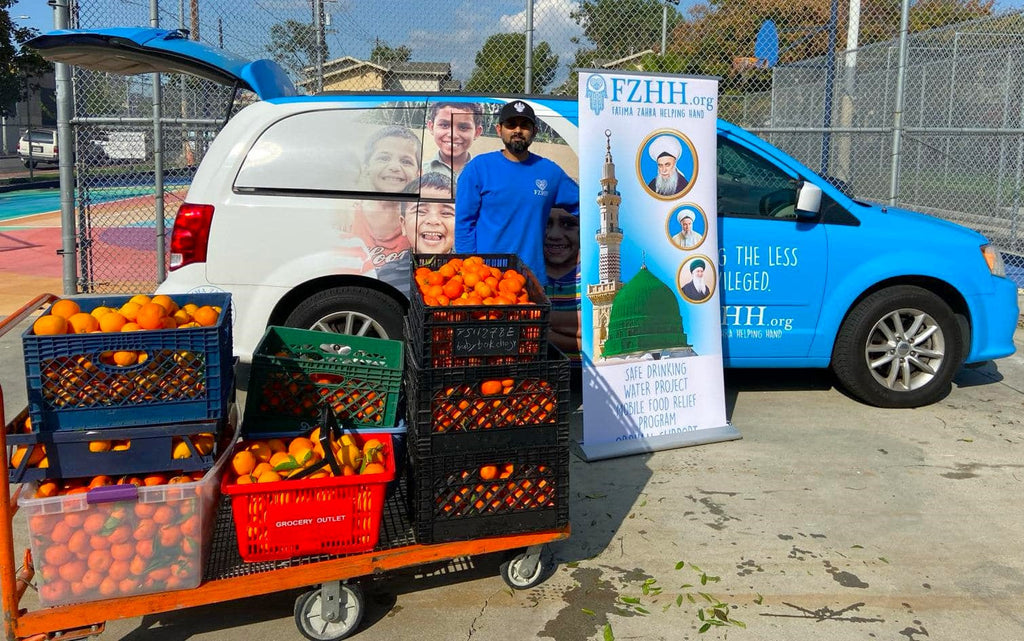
[(391, 162), (428, 224), (454, 127)]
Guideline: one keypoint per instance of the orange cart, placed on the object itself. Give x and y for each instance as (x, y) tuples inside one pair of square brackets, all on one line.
[(330, 610)]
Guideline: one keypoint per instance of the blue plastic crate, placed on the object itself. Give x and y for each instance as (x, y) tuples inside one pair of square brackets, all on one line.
[(188, 374)]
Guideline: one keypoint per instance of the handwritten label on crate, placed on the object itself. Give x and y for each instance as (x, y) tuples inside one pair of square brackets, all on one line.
[(482, 340)]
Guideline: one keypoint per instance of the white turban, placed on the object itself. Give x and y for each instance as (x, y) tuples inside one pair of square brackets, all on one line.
[(665, 144)]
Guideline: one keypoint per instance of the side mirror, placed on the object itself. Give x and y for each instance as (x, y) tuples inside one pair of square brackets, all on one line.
[(808, 200)]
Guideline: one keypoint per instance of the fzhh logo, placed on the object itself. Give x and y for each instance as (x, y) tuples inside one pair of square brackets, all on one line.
[(597, 91)]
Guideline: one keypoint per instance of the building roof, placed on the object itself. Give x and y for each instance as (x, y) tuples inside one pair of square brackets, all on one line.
[(644, 318)]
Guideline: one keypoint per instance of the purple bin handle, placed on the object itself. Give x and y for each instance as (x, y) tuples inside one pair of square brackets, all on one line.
[(111, 493)]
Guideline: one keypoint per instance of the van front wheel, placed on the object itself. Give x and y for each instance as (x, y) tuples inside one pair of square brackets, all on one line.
[(899, 347), (350, 310)]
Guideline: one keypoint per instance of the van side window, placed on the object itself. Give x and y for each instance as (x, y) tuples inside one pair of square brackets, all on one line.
[(337, 152), (751, 187)]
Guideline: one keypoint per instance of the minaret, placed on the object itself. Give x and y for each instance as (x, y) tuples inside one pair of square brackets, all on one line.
[(609, 240)]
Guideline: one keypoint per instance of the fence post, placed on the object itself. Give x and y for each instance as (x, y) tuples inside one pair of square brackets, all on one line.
[(68, 233), (897, 114), (528, 84), (158, 157)]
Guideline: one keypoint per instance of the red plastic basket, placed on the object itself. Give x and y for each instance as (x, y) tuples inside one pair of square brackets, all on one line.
[(291, 518)]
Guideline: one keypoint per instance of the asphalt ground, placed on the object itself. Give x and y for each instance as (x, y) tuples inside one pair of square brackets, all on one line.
[(828, 520)]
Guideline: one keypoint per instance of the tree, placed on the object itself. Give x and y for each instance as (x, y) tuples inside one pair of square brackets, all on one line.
[(385, 55), (619, 28), (501, 65), (19, 67), (293, 45)]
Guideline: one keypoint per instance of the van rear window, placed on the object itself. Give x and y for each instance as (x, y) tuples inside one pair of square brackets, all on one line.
[(337, 151)]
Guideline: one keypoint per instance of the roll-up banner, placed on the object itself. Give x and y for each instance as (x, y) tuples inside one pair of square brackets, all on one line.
[(651, 320)]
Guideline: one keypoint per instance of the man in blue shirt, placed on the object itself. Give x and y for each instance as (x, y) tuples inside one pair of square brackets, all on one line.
[(503, 197)]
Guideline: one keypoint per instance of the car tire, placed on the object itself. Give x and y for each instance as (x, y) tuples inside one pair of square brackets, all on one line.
[(899, 347), (350, 310)]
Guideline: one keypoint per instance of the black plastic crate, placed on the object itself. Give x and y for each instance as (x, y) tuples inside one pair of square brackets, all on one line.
[(455, 497), (455, 410), (188, 373), (147, 449), (445, 336)]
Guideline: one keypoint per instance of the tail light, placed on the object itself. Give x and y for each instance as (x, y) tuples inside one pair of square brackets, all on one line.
[(191, 234)]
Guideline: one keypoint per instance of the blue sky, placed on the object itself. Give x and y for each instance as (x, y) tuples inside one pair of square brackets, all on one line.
[(451, 31)]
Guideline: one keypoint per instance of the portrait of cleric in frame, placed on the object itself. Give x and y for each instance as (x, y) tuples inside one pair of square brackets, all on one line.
[(687, 225), (667, 164), (696, 279)]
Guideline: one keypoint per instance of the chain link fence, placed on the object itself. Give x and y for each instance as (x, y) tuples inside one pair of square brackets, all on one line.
[(822, 81)]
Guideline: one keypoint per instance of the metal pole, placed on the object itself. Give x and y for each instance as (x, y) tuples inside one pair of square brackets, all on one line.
[(844, 152), (318, 28), (528, 87), (68, 235), (664, 25), (897, 114), (158, 158), (830, 78)]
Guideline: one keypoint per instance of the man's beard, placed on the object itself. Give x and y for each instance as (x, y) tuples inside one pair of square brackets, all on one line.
[(665, 185), (517, 146), (700, 285)]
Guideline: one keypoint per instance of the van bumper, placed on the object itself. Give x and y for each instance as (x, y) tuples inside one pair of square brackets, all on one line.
[(993, 322)]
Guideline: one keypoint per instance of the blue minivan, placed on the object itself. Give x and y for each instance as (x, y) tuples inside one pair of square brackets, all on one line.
[(304, 206)]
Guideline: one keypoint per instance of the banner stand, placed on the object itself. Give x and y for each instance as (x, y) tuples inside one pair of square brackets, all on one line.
[(629, 447)]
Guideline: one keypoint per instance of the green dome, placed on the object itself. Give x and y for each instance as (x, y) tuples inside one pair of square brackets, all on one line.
[(644, 318)]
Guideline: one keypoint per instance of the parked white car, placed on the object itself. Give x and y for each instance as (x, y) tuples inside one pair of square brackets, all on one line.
[(38, 146)]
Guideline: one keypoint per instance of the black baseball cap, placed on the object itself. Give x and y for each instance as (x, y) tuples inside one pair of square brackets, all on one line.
[(517, 109)]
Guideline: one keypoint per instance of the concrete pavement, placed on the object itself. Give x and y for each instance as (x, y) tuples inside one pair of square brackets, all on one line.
[(828, 520)]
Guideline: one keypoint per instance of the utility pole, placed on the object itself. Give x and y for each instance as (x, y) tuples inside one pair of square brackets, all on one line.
[(194, 8), (664, 23)]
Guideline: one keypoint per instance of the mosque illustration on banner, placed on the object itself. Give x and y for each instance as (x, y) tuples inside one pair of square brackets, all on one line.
[(634, 320)]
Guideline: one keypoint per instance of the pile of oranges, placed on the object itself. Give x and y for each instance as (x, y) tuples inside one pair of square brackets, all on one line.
[(118, 548), (469, 281), (272, 460), (141, 312), (496, 488), (493, 404), (301, 395), (62, 487)]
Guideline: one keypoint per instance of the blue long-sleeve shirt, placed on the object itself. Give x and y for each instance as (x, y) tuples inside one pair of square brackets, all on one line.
[(501, 206)]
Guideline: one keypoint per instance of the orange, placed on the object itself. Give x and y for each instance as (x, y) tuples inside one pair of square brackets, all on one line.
[(488, 472), (260, 468), (112, 322), (299, 444), (101, 311), (190, 308), (154, 479), (123, 359), (168, 322), (130, 310), (181, 317), (243, 462), (373, 468), (66, 308), (50, 325), (34, 458), (373, 451), (100, 481), (280, 458), (204, 443), (206, 316), (268, 477), (151, 316), (276, 445), (260, 450), (489, 388), (46, 489), (130, 327), (140, 299), (82, 323), (166, 302), (181, 450)]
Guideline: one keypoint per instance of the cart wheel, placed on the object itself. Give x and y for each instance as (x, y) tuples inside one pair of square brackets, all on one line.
[(312, 617), (524, 570)]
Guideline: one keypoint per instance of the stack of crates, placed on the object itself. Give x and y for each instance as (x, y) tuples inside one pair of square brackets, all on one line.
[(139, 449), (488, 415), (79, 400)]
